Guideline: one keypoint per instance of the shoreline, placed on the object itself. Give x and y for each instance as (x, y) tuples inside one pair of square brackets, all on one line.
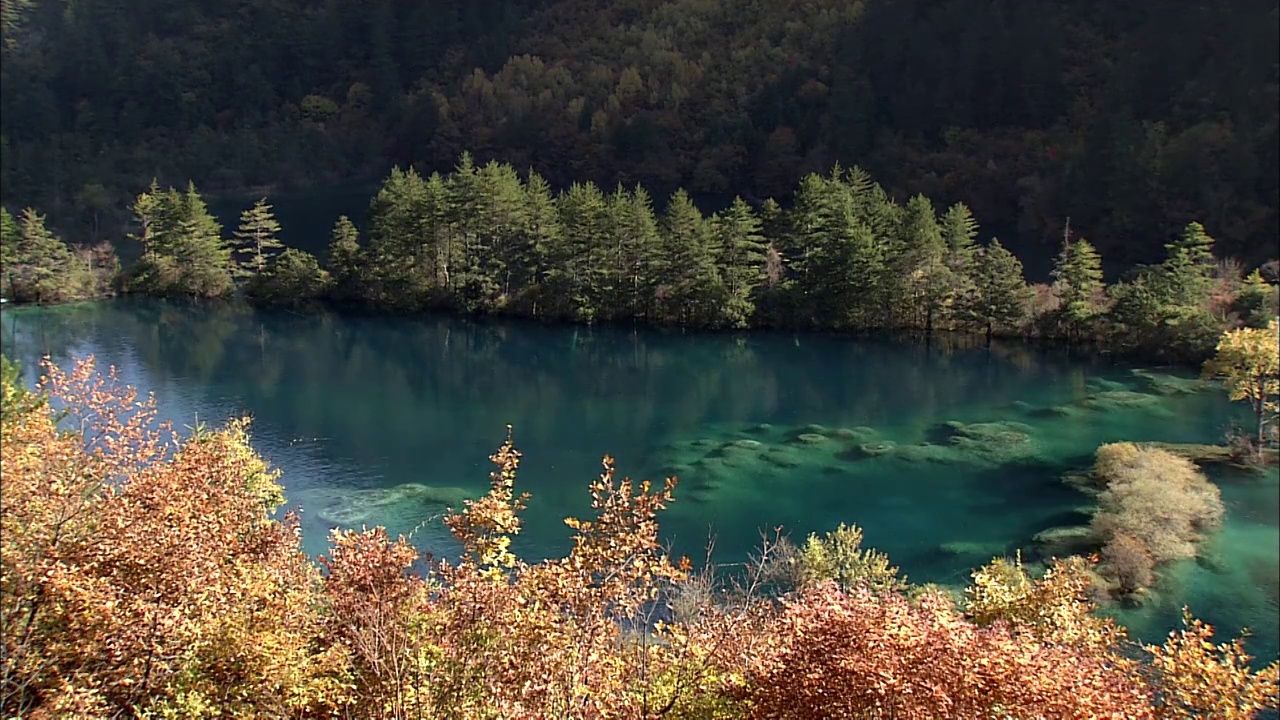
[(944, 337)]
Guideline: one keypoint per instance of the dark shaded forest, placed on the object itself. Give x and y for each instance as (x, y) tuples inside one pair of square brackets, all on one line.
[(1130, 119)]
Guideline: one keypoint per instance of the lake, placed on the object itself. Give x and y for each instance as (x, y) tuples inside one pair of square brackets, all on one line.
[(381, 420)]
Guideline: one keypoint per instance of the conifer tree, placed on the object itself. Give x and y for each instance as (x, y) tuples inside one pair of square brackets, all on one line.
[(924, 276), (9, 237), (1077, 276), (1187, 272), (1000, 293), (257, 236), (37, 266), (345, 260), (541, 233), (689, 281), (742, 255)]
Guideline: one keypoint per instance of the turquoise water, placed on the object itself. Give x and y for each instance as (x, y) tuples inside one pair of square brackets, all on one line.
[(381, 420)]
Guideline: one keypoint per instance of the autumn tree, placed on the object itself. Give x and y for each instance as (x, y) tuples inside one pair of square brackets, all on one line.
[(1200, 679), (1248, 364)]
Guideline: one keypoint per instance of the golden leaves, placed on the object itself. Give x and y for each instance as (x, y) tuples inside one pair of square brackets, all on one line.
[(147, 577)]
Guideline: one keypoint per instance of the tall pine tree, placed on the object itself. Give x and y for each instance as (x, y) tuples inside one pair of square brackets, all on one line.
[(256, 238)]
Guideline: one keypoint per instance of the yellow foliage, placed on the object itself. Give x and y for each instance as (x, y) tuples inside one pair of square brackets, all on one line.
[(838, 556), (1248, 363), (1201, 680)]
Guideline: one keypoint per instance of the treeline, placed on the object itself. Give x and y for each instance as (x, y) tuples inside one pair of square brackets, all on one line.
[(147, 575), (846, 256)]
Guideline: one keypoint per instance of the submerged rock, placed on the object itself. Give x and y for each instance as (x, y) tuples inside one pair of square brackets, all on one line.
[(1121, 400), (992, 442), (1064, 541), (372, 505), (783, 457), (814, 429), (1056, 411), (964, 548), (745, 444), (877, 448), (855, 434), (1165, 384), (1196, 452), (759, 429), (930, 453), (809, 438)]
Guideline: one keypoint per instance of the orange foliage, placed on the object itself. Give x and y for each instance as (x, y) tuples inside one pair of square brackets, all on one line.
[(143, 574), (858, 655), (146, 576)]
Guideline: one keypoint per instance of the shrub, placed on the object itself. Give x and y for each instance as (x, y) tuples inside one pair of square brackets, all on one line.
[(1156, 498), (1127, 560)]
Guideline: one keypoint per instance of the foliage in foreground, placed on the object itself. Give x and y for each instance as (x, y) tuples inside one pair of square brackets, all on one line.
[(145, 575)]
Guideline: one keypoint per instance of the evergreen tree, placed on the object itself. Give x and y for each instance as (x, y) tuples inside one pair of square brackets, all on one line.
[(576, 260), (398, 248), (926, 281), (500, 218), (38, 268), (742, 256), (541, 234), (1000, 293), (203, 255), (689, 282), (1186, 277), (345, 261), (1077, 276), (184, 253), (10, 234), (840, 265), (257, 236)]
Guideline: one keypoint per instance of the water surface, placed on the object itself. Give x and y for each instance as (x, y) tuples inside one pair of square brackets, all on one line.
[(385, 421)]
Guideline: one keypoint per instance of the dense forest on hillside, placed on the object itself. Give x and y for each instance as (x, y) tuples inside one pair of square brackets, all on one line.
[(1132, 120)]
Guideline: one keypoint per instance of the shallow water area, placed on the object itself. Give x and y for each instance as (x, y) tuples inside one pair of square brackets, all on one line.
[(945, 455)]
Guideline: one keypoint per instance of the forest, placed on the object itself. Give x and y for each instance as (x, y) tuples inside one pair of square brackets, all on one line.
[(1131, 120), (486, 240), (209, 609)]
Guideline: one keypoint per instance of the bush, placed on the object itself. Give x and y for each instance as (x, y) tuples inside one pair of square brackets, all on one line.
[(293, 277), (1154, 502), (147, 576), (1127, 560)]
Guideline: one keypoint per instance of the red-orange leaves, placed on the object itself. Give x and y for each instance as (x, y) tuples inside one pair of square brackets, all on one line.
[(860, 655)]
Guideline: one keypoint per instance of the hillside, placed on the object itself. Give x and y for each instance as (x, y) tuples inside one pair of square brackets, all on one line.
[(1130, 120)]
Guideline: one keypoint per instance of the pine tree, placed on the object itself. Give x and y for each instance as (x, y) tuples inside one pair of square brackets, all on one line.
[(742, 256), (541, 231), (256, 237), (960, 230), (575, 260), (345, 260), (1077, 276), (689, 281), (202, 255), (10, 234), (839, 265), (1000, 293), (925, 279), (1186, 276), (398, 249), (38, 267)]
